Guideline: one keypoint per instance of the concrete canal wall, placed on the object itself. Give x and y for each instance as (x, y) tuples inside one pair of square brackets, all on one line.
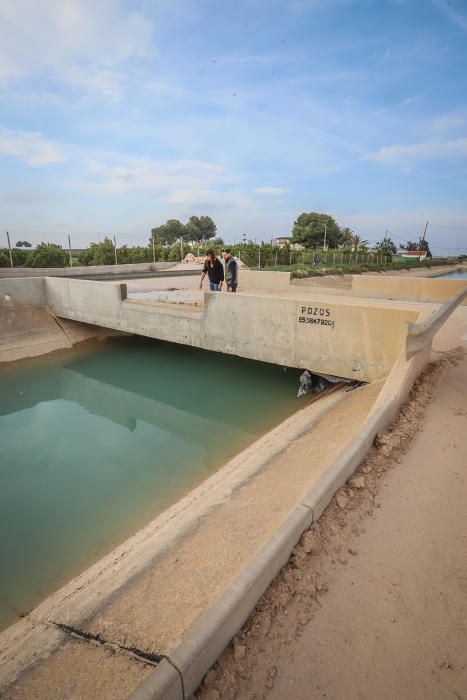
[(79, 271), (27, 326), (358, 341), (424, 289)]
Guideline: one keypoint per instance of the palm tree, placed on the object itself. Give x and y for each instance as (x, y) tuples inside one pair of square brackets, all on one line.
[(358, 242), (347, 237)]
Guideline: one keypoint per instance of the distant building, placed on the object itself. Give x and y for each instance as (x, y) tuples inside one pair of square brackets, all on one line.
[(412, 254), (282, 241)]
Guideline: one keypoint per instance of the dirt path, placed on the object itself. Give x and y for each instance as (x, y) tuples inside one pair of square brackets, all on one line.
[(373, 603)]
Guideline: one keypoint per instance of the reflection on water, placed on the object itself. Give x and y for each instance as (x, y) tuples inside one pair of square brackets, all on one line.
[(95, 443)]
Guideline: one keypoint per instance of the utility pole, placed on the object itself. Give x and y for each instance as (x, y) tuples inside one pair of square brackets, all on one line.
[(324, 246), (153, 248), (424, 232), (115, 249), (69, 248), (9, 248)]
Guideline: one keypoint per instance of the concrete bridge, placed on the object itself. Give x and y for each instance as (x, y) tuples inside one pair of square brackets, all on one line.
[(357, 332)]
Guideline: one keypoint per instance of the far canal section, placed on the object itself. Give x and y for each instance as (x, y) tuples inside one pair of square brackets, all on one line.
[(458, 274)]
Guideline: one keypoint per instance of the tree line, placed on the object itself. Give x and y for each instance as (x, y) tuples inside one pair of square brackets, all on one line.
[(196, 229), (173, 240)]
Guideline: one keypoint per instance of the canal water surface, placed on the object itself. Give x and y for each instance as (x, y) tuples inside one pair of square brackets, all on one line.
[(455, 275), (95, 443)]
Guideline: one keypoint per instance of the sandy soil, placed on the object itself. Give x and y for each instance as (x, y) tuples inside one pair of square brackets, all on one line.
[(373, 602)]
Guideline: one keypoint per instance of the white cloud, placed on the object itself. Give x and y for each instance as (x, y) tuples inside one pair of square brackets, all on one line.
[(118, 173), (77, 42), (273, 191), (447, 122), (405, 154), (32, 147), (215, 200), (103, 81), (395, 106), (177, 181)]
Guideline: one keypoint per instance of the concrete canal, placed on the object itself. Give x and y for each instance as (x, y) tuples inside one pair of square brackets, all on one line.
[(95, 443)]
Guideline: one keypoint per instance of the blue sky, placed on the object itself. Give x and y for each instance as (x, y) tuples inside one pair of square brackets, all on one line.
[(116, 115)]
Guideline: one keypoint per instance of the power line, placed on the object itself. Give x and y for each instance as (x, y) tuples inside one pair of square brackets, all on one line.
[(396, 236), (460, 228)]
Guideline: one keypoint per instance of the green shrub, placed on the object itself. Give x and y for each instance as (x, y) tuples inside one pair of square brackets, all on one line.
[(47, 255)]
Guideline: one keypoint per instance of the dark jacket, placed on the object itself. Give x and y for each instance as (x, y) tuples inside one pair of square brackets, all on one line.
[(231, 272), (214, 272)]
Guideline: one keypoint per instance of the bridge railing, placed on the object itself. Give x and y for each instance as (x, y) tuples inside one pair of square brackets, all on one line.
[(420, 335)]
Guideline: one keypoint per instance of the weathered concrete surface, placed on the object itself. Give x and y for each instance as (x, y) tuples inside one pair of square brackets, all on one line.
[(416, 285), (29, 332), (252, 279), (80, 669), (424, 289), (29, 329), (313, 328), (28, 291), (77, 271), (360, 339), (189, 297)]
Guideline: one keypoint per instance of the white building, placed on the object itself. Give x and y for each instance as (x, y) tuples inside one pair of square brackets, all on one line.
[(283, 241)]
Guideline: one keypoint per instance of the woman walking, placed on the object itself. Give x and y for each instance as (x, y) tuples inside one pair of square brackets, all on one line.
[(214, 269)]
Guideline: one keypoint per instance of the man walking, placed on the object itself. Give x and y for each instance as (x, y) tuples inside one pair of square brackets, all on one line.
[(231, 270)]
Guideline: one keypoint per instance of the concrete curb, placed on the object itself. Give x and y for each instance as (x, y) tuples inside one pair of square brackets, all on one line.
[(319, 496), (214, 629)]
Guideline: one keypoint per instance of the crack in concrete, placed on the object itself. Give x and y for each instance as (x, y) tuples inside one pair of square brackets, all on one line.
[(149, 658)]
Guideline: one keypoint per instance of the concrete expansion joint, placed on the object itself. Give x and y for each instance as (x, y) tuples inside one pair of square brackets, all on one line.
[(311, 511), (59, 324)]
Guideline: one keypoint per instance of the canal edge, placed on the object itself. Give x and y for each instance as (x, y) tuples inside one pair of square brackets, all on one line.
[(218, 624)]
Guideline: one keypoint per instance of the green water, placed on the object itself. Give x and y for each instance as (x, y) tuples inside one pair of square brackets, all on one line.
[(95, 443)]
